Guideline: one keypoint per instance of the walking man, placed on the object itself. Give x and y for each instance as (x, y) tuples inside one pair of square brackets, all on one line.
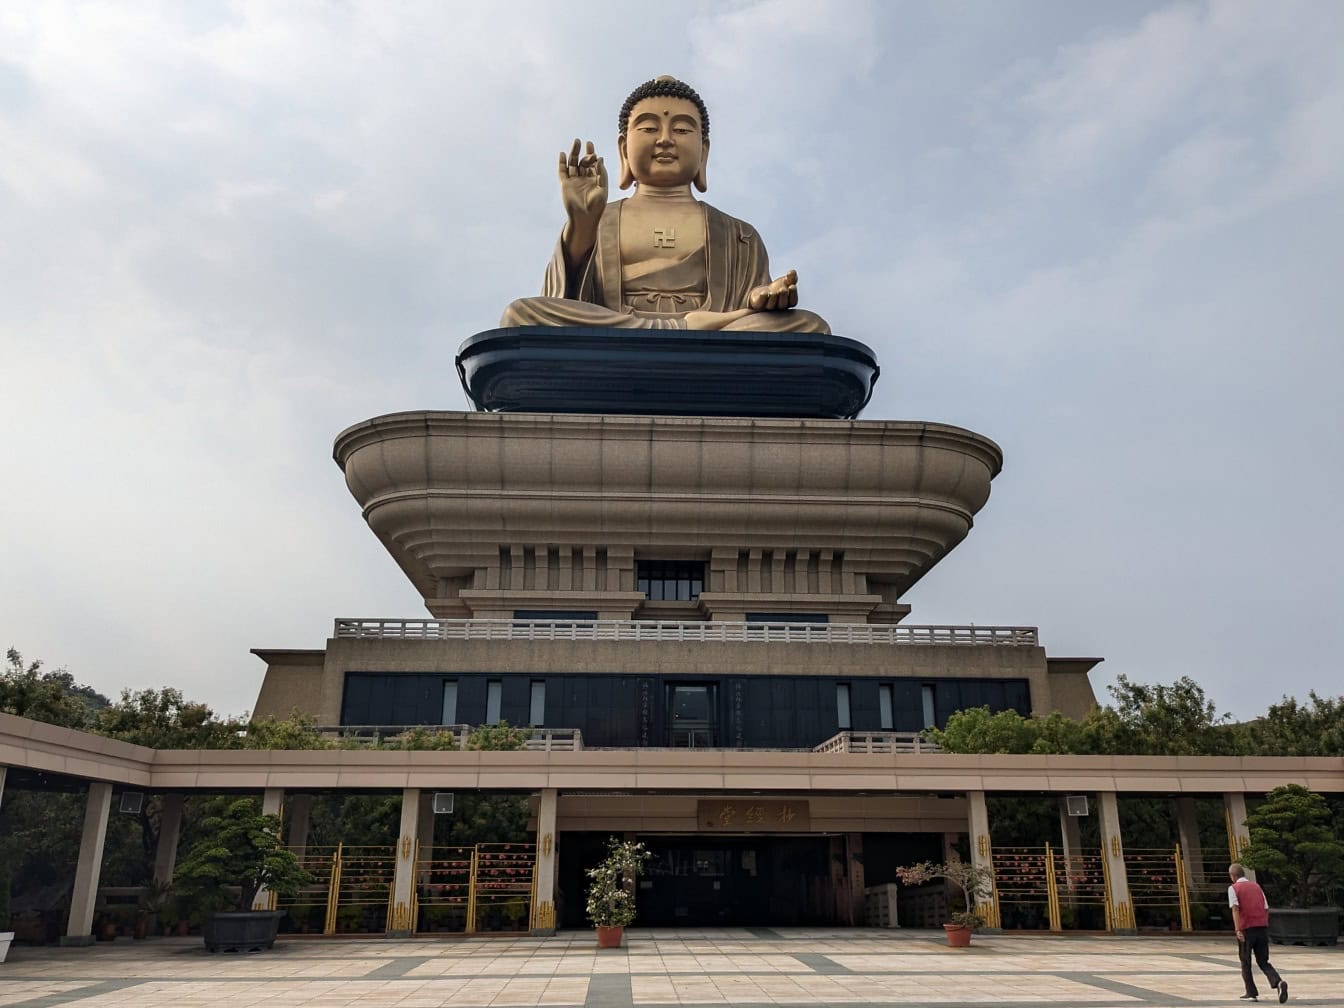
[(1250, 916)]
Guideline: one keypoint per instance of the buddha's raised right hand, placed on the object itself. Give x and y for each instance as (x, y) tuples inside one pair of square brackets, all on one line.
[(583, 185), (583, 189)]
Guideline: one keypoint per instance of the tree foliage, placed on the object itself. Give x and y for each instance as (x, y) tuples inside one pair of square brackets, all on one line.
[(1290, 728), (163, 719), (240, 848), (53, 697), (1293, 843)]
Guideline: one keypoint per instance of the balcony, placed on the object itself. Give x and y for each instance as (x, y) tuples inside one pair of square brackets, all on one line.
[(672, 632)]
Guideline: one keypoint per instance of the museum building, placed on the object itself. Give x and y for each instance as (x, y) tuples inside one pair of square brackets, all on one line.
[(699, 620)]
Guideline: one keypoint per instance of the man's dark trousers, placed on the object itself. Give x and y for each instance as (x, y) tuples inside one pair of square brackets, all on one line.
[(1257, 942)]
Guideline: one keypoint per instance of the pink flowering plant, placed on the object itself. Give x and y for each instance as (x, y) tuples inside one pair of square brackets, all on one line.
[(975, 883)]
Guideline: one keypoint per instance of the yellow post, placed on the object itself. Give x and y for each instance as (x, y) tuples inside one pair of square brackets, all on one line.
[(1051, 890), (1106, 884), (471, 895), (1182, 891), (333, 891)]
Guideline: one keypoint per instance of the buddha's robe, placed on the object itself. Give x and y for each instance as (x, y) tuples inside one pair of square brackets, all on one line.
[(604, 294)]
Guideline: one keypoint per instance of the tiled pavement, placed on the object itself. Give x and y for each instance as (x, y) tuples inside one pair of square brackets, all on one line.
[(687, 967)]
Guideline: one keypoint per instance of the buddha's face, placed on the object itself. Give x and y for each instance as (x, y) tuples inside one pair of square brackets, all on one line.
[(663, 143)]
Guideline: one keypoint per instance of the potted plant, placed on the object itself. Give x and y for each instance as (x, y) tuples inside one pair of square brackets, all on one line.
[(239, 853), (974, 882), (611, 898), (1302, 861), (155, 899)]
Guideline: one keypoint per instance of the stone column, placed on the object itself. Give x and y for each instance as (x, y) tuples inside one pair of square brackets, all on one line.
[(982, 853), (1187, 831), (170, 828), (300, 812), (854, 862), (1238, 837), (403, 877), (425, 834), (1113, 850), (548, 847), (272, 803), (2, 785), (1071, 841), (84, 895)]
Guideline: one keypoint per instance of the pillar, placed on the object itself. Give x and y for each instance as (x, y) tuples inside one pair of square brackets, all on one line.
[(1113, 852), (170, 828), (84, 895), (854, 863), (1238, 836), (982, 853), (300, 812), (272, 803), (1187, 831), (2, 785), (548, 845), (1071, 841), (425, 834), (403, 877)]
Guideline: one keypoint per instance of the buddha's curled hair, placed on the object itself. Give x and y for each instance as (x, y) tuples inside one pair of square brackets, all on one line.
[(664, 87)]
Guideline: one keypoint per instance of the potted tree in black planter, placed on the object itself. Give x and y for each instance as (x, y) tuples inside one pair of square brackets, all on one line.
[(1302, 860), (223, 872)]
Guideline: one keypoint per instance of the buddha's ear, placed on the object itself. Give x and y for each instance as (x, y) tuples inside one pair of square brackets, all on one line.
[(627, 176), (700, 182)]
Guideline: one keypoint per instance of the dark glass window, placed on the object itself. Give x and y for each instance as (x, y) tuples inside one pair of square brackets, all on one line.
[(886, 718), (787, 617), (670, 580), (449, 702), (691, 706), (554, 615), (842, 704), (494, 690)]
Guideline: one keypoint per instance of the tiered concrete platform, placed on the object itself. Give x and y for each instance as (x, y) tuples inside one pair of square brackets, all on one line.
[(748, 968)]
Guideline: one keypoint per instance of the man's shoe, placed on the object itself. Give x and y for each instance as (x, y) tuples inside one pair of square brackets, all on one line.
[(1249, 997), (1283, 991)]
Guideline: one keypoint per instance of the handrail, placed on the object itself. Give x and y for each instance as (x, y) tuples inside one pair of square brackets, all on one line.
[(683, 632), (539, 739), (877, 743)]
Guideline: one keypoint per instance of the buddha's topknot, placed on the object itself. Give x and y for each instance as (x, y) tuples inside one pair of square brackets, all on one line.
[(664, 87)]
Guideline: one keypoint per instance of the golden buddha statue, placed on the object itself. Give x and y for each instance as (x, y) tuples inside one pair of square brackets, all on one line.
[(660, 259)]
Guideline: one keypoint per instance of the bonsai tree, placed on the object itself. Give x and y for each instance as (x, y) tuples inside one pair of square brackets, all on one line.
[(973, 881), (240, 849), (1292, 842), (610, 903)]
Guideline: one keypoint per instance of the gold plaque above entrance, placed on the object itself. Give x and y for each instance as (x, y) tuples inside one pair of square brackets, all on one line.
[(755, 816)]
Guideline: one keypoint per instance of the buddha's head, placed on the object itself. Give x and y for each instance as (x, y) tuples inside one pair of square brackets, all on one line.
[(664, 135)]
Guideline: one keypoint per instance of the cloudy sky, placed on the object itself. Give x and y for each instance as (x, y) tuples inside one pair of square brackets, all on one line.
[(1106, 235)]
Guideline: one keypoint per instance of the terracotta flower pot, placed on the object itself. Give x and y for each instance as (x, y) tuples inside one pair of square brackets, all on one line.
[(610, 937), (958, 935)]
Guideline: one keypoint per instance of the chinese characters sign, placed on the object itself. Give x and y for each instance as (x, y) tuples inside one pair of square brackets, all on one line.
[(755, 815)]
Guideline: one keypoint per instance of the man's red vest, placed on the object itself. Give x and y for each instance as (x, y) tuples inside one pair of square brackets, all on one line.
[(1251, 900)]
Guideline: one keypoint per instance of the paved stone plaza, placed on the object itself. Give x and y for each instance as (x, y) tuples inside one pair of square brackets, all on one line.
[(750, 967)]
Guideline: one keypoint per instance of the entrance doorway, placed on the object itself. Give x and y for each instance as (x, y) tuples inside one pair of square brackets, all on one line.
[(715, 880)]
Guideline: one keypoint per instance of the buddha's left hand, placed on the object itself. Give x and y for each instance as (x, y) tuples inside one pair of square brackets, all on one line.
[(777, 295)]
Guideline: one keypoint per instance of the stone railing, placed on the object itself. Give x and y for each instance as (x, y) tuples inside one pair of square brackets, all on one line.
[(878, 743), (711, 631), (539, 740)]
